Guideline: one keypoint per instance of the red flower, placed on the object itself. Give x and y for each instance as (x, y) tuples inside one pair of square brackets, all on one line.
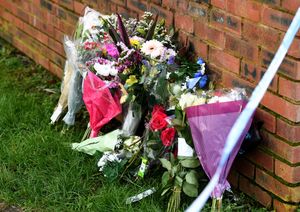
[(158, 121), (167, 136), (158, 108)]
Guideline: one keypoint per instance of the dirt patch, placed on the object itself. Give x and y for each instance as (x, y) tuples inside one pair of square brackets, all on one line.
[(8, 208)]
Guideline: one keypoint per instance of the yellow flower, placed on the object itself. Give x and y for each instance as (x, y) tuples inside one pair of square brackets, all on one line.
[(135, 43), (131, 80)]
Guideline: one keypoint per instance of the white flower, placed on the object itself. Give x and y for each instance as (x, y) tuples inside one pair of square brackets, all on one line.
[(202, 69), (153, 48), (176, 89), (188, 99), (102, 70), (170, 53), (113, 71), (213, 100), (105, 69)]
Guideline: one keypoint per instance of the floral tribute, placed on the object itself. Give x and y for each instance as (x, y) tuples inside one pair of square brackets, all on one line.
[(130, 70)]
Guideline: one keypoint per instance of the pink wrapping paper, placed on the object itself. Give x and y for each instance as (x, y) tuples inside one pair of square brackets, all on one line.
[(101, 104)]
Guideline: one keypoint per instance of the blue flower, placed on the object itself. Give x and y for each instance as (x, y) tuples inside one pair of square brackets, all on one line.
[(198, 74), (203, 81), (200, 61)]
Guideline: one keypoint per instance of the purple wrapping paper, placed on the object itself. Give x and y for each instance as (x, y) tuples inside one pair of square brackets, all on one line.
[(210, 125)]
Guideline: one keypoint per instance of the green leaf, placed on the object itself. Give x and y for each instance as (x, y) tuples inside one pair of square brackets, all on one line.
[(190, 163), (192, 178), (178, 122), (165, 191), (190, 189), (178, 181), (165, 179), (166, 164)]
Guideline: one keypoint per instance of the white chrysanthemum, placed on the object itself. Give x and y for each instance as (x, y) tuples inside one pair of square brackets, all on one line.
[(153, 48)]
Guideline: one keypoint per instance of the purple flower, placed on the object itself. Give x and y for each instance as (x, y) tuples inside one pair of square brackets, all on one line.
[(112, 50), (171, 60)]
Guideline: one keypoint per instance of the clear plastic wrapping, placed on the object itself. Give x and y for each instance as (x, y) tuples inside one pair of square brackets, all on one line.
[(132, 119)]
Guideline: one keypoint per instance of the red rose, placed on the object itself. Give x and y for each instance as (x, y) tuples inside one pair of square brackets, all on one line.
[(158, 108), (158, 121), (167, 136)]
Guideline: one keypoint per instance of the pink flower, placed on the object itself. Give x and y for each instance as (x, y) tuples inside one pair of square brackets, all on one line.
[(112, 50)]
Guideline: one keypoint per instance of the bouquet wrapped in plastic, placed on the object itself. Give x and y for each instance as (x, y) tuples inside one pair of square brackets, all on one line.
[(210, 125)]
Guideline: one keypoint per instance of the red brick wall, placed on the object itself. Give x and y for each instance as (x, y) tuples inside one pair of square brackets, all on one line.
[(238, 39)]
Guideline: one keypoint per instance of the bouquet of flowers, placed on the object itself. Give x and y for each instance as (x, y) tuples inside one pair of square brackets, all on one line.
[(130, 69)]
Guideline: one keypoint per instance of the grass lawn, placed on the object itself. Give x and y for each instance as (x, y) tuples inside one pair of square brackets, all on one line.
[(38, 169)]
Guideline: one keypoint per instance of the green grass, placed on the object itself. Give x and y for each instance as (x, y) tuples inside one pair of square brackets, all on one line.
[(38, 169)]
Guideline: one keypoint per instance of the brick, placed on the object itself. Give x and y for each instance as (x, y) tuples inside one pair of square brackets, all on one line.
[(58, 35), (69, 4), (288, 173), (210, 34), (156, 1), (282, 107), (268, 119), (137, 5), (56, 70), (169, 4), (224, 60), (262, 159), (241, 48), (289, 88), (289, 67), (219, 3), (198, 10), (255, 192), (163, 13), (261, 35), (276, 19), (255, 73), (291, 5), (245, 8), (215, 74), (123, 2), (184, 22), (283, 207), (199, 47), (244, 167), (233, 178), (280, 148), (67, 16), (79, 7), (281, 190), (56, 46), (35, 33), (288, 131), (232, 80), (225, 21), (272, 2), (294, 50)]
